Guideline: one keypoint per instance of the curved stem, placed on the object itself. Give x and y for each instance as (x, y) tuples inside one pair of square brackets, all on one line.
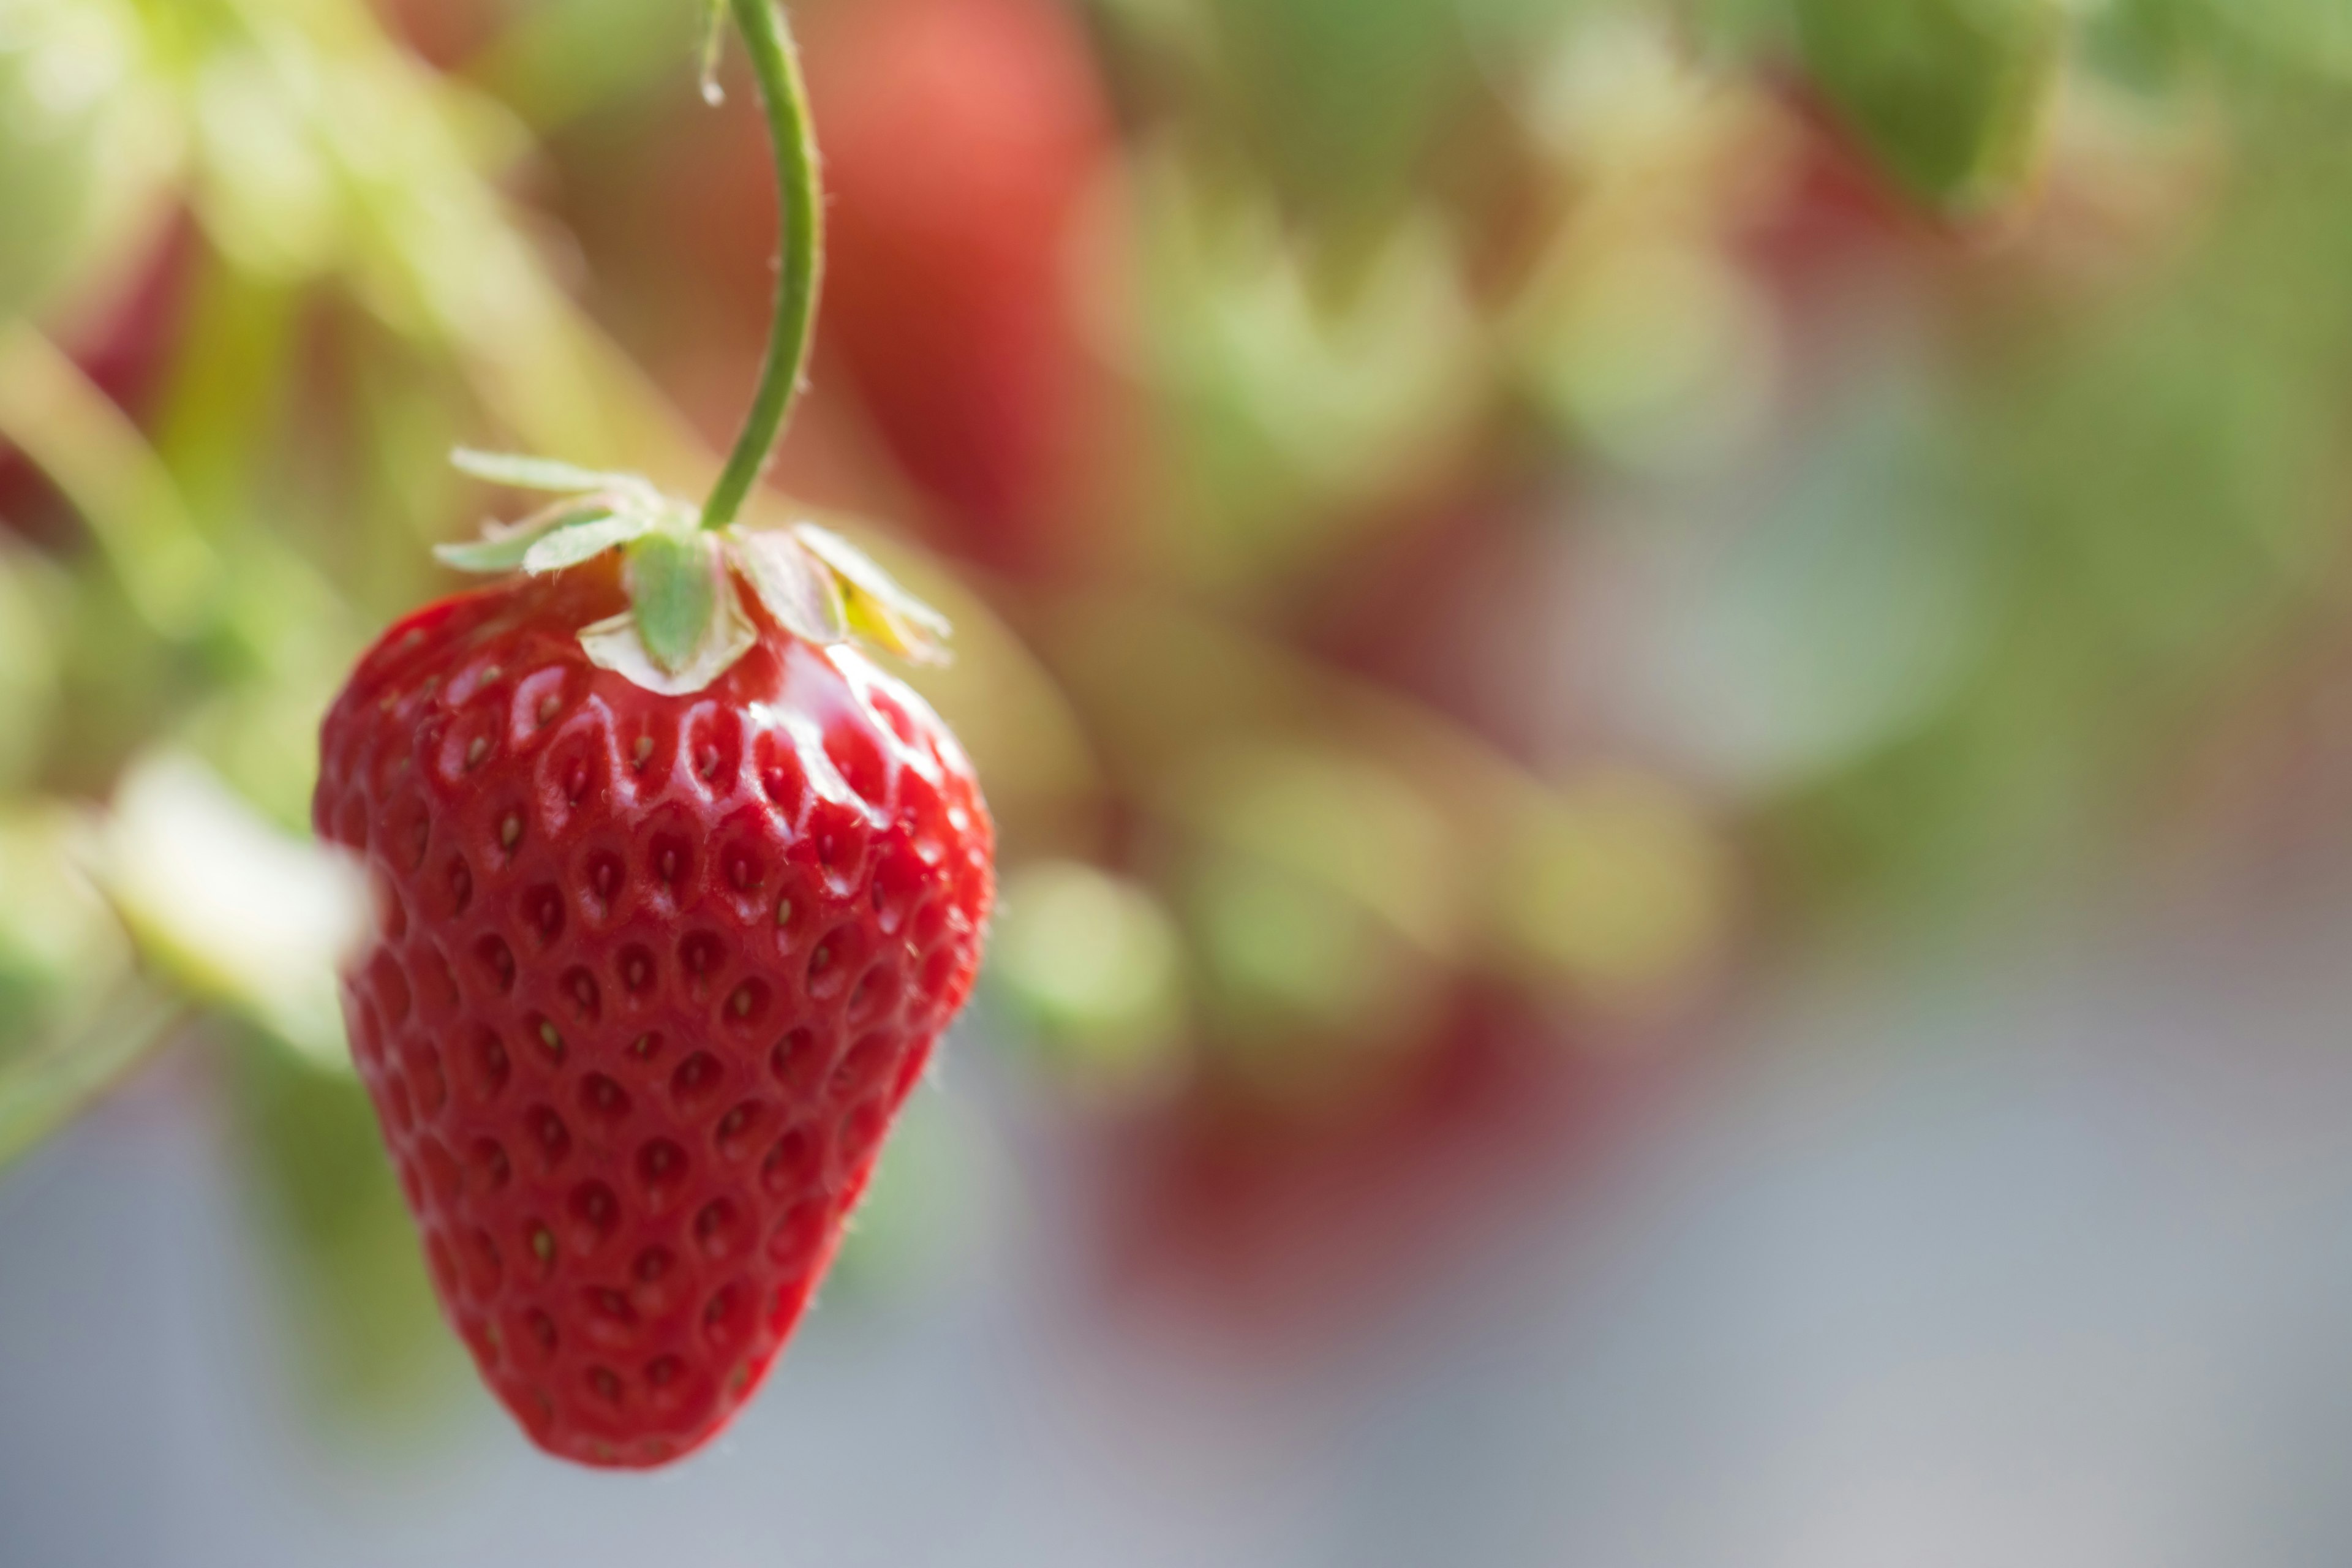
[(774, 60)]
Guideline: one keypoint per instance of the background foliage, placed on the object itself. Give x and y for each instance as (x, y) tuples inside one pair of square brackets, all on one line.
[(1473, 524)]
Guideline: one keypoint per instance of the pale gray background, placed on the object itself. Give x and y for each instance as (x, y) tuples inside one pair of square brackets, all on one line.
[(2008, 1258)]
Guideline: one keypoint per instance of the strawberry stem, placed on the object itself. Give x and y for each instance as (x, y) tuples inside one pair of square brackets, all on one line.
[(768, 38)]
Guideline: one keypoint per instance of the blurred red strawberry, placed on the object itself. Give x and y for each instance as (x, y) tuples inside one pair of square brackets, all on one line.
[(960, 137), (124, 346), (444, 34), (1281, 1222), (1839, 224)]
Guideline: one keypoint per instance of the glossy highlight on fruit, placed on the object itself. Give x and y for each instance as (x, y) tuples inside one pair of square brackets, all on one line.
[(650, 978)]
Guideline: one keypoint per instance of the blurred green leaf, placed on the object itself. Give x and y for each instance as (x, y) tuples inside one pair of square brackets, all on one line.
[(86, 146), (73, 1018), (98, 458), (1295, 408), (558, 63), (366, 1327), (1616, 887), (926, 1203), (1342, 102), (1950, 96), (28, 659), (43, 1088), (1322, 892), (1093, 965)]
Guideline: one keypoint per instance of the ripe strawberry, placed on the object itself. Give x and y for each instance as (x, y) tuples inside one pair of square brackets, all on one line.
[(125, 350), (444, 34), (653, 971), (961, 138)]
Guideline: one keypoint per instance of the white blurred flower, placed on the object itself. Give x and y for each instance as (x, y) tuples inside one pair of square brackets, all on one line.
[(237, 912)]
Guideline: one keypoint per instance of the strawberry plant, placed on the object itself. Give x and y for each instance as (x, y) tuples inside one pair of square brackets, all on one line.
[(1582, 488)]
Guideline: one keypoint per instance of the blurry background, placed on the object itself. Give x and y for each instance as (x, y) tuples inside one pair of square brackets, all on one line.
[(1668, 689)]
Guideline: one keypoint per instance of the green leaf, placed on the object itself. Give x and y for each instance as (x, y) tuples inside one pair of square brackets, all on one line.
[(1949, 96), (584, 538), (876, 607), (798, 591), (543, 474), (673, 590)]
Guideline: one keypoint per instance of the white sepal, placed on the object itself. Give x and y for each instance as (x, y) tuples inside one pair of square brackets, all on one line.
[(547, 474), (876, 609), (795, 587)]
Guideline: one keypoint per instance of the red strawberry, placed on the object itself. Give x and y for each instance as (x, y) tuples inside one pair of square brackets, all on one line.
[(444, 34), (651, 977), (126, 351), (961, 138)]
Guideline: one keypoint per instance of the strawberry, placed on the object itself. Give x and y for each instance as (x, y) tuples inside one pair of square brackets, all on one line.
[(675, 893), (444, 34), (961, 138), (125, 350), (662, 942)]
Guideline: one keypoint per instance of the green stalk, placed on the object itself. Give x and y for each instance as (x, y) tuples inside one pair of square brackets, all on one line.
[(776, 63)]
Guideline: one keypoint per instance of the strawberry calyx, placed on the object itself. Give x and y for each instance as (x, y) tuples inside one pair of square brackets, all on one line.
[(686, 623), (684, 568)]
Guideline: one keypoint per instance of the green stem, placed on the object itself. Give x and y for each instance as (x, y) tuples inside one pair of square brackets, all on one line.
[(768, 38)]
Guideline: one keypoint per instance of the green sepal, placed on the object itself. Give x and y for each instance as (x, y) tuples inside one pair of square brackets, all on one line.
[(598, 511), (619, 644), (546, 474), (499, 553), (687, 622), (504, 548), (586, 539), (673, 590)]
